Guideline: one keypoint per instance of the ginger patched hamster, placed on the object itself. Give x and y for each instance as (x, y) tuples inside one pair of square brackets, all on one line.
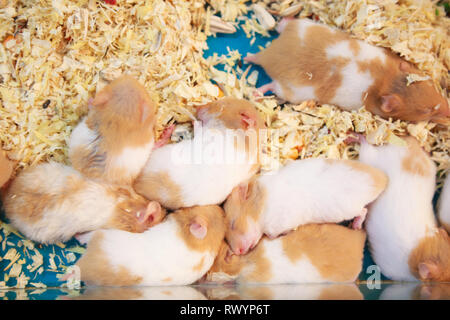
[(178, 251), (113, 142), (314, 253), (404, 238), (204, 170), (52, 202), (303, 191), (312, 61)]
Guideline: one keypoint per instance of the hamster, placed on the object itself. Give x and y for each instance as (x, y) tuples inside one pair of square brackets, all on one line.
[(305, 291), (404, 239), (444, 205), (178, 251), (314, 253), (6, 168), (303, 191), (52, 202), (312, 61), (204, 170), (113, 142)]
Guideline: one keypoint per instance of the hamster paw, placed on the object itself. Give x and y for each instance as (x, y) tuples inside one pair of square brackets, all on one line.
[(359, 220), (165, 136)]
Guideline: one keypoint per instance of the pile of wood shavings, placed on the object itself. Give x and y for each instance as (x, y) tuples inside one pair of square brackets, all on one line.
[(54, 55)]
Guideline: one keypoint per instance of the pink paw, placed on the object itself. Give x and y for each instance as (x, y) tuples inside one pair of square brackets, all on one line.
[(165, 136), (354, 138), (359, 220)]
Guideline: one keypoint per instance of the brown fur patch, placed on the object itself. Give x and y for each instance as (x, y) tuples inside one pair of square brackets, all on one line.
[(341, 292), (27, 198), (237, 210), (160, 187), (432, 249), (335, 251), (227, 263), (417, 161), (212, 216), (378, 177), (262, 268), (96, 269)]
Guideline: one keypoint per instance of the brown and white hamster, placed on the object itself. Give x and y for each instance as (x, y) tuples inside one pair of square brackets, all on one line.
[(113, 142), (402, 230), (303, 191), (314, 253), (52, 202), (312, 61), (204, 170), (178, 251)]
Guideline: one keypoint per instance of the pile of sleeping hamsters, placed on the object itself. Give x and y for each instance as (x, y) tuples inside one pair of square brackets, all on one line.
[(149, 218)]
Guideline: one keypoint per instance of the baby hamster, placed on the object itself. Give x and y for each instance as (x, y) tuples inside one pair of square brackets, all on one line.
[(314, 253), (52, 202), (403, 235), (113, 142), (303, 191), (313, 61), (444, 205), (204, 170), (178, 251)]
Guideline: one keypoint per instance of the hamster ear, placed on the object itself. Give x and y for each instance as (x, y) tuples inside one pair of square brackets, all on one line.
[(390, 103), (428, 270), (101, 98), (198, 228), (153, 213)]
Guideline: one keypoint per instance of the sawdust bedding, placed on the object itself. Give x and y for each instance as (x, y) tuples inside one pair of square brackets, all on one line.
[(54, 55)]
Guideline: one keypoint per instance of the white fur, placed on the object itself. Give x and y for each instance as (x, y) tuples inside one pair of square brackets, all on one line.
[(302, 26), (282, 270), (192, 165), (313, 191), (302, 93), (88, 209), (132, 159), (81, 136), (156, 254), (444, 202), (402, 215), (349, 96)]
